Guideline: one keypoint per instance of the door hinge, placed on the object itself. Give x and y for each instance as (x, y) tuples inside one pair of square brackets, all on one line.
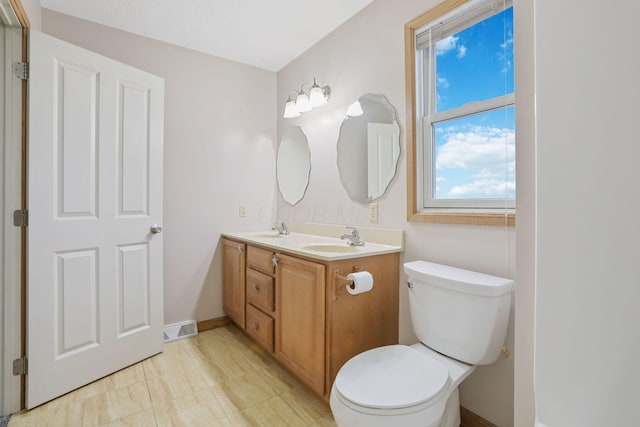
[(21, 70), (21, 218), (20, 366)]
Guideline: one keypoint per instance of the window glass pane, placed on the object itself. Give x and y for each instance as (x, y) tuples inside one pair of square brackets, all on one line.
[(475, 156), (476, 63)]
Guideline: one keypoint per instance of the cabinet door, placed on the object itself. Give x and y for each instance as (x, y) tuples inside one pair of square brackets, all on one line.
[(300, 319), (233, 274)]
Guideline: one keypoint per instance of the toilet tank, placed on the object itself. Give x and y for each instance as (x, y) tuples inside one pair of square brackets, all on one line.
[(460, 313)]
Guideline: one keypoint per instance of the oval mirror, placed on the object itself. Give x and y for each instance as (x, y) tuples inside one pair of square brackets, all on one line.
[(368, 147), (293, 165)]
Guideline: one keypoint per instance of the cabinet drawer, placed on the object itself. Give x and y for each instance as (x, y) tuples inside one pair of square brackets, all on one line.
[(260, 327), (260, 259), (260, 290)]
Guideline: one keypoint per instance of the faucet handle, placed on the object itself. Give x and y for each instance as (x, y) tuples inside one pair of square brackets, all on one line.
[(353, 238), (280, 227), (354, 230)]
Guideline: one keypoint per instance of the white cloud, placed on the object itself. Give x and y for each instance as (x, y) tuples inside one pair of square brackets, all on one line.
[(449, 44), (507, 42), (479, 148), (506, 67), (485, 155), (485, 187), (504, 56), (445, 45), (443, 82)]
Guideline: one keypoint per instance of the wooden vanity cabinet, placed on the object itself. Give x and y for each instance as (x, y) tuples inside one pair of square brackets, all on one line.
[(233, 280), (300, 324), (356, 323), (296, 309)]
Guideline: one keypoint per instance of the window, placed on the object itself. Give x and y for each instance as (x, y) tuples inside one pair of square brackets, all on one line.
[(460, 62)]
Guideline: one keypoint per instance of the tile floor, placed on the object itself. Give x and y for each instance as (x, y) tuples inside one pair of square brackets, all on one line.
[(218, 378)]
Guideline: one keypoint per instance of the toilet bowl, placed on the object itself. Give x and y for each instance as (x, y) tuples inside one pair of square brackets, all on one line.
[(460, 318), (423, 385)]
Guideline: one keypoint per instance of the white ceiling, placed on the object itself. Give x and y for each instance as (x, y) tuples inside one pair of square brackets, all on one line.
[(265, 33)]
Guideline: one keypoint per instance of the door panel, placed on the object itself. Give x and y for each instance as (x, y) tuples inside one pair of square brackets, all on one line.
[(383, 150), (75, 111), (75, 301), (95, 187), (133, 149), (133, 285)]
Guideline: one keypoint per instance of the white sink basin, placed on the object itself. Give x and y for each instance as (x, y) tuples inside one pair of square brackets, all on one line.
[(328, 247), (272, 235)]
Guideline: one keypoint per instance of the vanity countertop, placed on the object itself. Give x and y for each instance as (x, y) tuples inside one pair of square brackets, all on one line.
[(321, 246)]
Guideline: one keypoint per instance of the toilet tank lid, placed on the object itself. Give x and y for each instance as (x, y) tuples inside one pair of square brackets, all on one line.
[(458, 279)]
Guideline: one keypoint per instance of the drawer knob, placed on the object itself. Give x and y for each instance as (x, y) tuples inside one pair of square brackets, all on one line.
[(255, 288), (255, 326)]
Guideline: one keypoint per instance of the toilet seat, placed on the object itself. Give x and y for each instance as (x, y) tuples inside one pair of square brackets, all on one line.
[(393, 378)]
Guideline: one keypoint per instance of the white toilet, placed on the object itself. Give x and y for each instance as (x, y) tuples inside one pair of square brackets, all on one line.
[(461, 319)]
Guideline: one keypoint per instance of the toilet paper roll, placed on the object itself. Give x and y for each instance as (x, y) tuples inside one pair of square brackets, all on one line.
[(362, 282)]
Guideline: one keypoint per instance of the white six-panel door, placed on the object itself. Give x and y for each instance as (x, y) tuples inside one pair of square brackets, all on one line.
[(95, 299), (383, 151)]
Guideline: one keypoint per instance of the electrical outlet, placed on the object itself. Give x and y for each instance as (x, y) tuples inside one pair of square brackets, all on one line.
[(373, 212), (242, 210)]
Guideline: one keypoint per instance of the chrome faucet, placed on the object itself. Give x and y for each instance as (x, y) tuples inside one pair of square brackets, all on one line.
[(353, 239), (281, 228)]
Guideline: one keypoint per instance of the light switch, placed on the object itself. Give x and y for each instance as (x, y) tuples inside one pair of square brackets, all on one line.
[(242, 210), (373, 212)]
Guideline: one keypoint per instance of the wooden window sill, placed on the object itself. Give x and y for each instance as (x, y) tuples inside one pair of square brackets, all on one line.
[(468, 218)]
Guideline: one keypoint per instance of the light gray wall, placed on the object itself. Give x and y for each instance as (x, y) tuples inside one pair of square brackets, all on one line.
[(587, 334), (219, 151), (366, 54), (2, 214), (34, 13), (525, 92)]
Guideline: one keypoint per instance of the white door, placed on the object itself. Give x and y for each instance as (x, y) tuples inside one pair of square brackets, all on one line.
[(95, 298), (383, 151)]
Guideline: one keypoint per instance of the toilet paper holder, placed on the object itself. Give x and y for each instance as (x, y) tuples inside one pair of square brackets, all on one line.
[(339, 281)]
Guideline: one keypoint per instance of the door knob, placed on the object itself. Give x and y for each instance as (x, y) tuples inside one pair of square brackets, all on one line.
[(156, 229)]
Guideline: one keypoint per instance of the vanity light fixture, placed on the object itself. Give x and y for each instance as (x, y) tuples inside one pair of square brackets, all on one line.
[(355, 109), (307, 99), (319, 95), (290, 109), (302, 101)]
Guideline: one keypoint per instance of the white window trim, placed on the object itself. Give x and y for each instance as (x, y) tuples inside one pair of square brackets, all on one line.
[(426, 97)]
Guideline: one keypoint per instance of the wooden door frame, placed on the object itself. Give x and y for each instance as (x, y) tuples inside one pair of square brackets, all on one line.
[(14, 281)]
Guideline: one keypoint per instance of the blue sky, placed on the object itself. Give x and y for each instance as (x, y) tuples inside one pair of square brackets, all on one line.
[(475, 155)]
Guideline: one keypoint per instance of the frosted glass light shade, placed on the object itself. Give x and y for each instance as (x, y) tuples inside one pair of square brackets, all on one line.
[(290, 110), (316, 96), (302, 103), (355, 109)]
